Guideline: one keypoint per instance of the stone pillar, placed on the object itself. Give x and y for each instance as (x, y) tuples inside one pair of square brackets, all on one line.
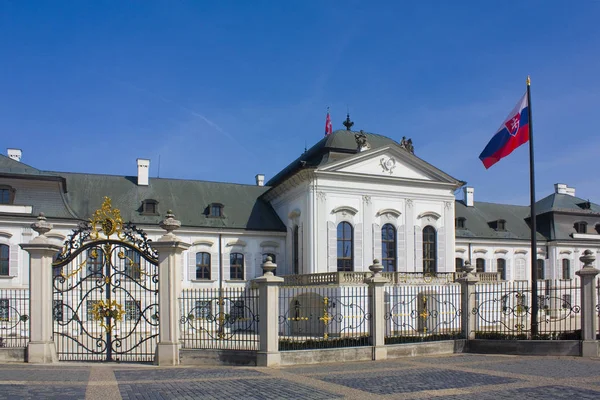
[(376, 307), (589, 316), (170, 264), (41, 348), (467, 300), (268, 312)]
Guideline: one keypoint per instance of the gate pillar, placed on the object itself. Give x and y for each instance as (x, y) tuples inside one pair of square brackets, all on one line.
[(169, 248), (41, 347)]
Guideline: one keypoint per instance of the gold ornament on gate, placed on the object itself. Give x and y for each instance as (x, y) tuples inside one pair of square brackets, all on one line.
[(112, 310), (106, 219)]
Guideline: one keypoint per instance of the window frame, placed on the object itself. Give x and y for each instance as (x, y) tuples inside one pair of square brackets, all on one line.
[(480, 268), (238, 268), (458, 264), (132, 313), (540, 264), (10, 194), (295, 250), (132, 257), (580, 227), (215, 206), (566, 267), (147, 204), (389, 260), (429, 250), (4, 259), (203, 269), (501, 269), (460, 223), (4, 309), (345, 263)]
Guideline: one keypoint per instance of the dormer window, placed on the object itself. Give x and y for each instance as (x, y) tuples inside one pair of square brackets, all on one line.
[(580, 227), (7, 194), (586, 205), (459, 223), (215, 210), (149, 207), (501, 225)]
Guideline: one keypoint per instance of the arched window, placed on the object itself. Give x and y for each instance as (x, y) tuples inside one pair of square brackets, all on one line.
[(429, 250), (388, 248), (459, 263), (4, 259), (295, 248), (202, 266), (566, 268), (501, 268), (540, 269), (480, 265), (345, 247), (236, 266)]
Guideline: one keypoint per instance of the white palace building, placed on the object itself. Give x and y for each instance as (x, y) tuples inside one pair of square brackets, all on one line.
[(350, 198)]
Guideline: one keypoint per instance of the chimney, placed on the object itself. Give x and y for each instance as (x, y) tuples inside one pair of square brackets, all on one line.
[(143, 171), (15, 154), (468, 196), (561, 188), (260, 180)]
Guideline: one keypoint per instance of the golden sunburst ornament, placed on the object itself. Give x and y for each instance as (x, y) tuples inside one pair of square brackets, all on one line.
[(106, 219), (109, 309)]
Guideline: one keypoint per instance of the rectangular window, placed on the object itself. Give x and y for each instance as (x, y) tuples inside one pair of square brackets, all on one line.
[(202, 309), (4, 259), (4, 196), (132, 310), (566, 269), (90, 309), (132, 265), (566, 301), (4, 309), (236, 266), (237, 311), (57, 310), (202, 266)]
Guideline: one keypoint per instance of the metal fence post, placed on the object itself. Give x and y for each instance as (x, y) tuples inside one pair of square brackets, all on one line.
[(41, 348), (587, 274), (376, 306), (169, 248), (467, 302), (268, 316)]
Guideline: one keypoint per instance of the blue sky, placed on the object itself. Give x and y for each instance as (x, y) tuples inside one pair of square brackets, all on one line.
[(225, 90)]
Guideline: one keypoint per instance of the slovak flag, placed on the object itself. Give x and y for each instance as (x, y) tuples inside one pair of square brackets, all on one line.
[(513, 132), (328, 127)]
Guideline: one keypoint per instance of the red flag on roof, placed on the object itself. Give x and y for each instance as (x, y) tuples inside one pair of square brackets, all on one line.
[(328, 127)]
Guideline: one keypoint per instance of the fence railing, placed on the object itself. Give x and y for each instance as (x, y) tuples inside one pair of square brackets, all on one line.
[(398, 278), (503, 310), (422, 313), (14, 317), (213, 318), (323, 317)]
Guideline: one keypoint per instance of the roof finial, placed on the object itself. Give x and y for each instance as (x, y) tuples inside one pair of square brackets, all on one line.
[(347, 123)]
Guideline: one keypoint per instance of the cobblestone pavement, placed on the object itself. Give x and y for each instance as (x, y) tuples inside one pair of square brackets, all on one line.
[(464, 376)]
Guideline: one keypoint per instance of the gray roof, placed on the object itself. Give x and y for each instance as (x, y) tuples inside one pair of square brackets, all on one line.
[(10, 166), (557, 202), (338, 145), (188, 199), (479, 221), (333, 147)]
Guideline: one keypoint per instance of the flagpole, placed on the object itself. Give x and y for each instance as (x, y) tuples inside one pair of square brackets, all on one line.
[(534, 275)]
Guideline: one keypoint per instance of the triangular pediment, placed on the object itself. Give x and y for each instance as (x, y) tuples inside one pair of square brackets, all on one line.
[(389, 162)]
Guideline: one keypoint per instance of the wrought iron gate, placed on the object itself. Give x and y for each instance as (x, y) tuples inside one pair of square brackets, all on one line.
[(105, 290)]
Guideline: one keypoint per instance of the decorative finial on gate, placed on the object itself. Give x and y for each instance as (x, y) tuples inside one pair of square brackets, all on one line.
[(269, 266), (170, 224), (376, 268), (42, 227), (587, 259)]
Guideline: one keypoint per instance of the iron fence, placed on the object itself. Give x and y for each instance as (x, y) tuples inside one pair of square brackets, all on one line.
[(323, 317), (213, 318), (422, 313), (14, 317), (503, 310)]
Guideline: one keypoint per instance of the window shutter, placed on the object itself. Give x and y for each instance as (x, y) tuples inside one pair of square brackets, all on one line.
[(226, 271), (520, 270), (258, 265), (418, 249), (358, 247), (13, 261), (191, 265), (401, 250), (214, 266), (248, 266), (508, 269), (441, 250), (301, 268), (331, 247), (377, 251)]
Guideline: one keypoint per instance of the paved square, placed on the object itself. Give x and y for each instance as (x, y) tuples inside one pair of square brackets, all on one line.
[(37, 392), (539, 393), (166, 374), (415, 380), (236, 389), (546, 367)]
